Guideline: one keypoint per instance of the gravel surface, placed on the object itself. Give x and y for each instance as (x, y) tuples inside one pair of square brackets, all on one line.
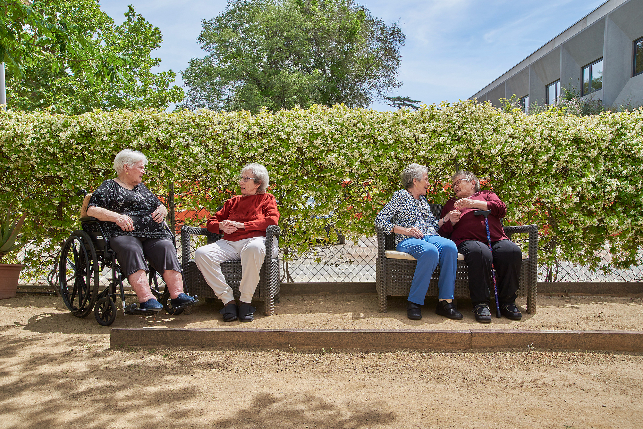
[(58, 371)]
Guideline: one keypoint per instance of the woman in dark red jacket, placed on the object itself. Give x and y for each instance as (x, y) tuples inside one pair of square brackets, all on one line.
[(469, 233), (243, 221)]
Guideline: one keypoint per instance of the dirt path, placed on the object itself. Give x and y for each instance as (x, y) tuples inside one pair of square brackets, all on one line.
[(58, 371)]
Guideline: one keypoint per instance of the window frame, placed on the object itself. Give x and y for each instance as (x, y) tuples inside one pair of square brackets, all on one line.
[(524, 103), (636, 42), (582, 82), (557, 95)]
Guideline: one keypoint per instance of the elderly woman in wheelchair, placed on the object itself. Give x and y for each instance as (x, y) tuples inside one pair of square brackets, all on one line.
[(134, 220)]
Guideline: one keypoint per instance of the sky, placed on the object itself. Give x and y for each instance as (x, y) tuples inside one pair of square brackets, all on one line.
[(453, 48)]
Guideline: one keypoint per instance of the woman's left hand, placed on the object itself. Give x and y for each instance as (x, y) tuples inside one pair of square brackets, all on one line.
[(159, 214)]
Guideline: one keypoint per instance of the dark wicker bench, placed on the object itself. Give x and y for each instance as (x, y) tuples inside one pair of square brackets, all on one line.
[(269, 280), (394, 276)]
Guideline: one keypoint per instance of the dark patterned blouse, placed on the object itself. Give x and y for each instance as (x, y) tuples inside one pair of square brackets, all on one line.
[(138, 203), (405, 211)]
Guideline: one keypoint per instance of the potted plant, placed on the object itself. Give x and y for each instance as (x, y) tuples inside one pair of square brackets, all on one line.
[(9, 273)]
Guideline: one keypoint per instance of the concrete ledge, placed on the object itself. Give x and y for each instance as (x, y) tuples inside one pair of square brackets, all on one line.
[(373, 340)]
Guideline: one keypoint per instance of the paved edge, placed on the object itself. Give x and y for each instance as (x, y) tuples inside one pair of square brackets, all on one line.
[(376, 340)]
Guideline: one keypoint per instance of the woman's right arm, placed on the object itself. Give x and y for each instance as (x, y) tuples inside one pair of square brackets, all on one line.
[(384, 219), (104, 215), (387, 216), (96, 208)]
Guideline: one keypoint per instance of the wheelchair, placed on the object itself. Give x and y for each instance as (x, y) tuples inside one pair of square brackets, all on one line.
[(83, 258)]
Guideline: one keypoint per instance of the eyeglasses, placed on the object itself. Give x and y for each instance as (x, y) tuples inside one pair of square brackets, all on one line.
[(457, 182), (245, 178)]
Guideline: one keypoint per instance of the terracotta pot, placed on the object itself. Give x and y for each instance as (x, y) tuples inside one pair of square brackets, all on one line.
[(9, 274)]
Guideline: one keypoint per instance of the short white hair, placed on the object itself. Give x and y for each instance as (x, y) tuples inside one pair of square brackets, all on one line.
[(412, 171), (128, 157), (261, 176)]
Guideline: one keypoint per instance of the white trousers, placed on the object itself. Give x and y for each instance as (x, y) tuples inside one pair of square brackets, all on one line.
[(251, 251)]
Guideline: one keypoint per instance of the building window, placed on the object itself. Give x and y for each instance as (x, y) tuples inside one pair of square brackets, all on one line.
[(638, 56), (524, 103), (553, 92), (592, 77)]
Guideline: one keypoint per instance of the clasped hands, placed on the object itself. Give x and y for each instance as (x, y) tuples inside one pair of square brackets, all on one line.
[(230, 226), (127, 224)]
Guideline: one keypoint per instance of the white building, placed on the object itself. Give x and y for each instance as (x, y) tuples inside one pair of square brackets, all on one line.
[(599, 57)]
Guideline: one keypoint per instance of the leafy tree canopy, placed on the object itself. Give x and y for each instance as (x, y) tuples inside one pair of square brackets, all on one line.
[(69, 56), (282, 53)]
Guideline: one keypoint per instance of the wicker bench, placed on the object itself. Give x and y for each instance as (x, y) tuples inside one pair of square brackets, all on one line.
[(194, 283), (394, 270)]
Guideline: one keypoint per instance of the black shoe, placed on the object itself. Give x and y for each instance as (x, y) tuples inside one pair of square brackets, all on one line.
[(229, 312), (447, 309), (413, 311), (510, 311), (482, 313), (246, 312)]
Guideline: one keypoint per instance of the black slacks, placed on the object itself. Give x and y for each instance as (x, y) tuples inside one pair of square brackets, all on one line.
[(507, 258)]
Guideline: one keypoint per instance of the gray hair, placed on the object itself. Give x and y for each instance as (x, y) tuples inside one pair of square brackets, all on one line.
[(469, 177), (261, 176), (412, 171), (128, 157)]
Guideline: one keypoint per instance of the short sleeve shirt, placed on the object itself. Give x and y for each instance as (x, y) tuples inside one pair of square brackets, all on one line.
[(138, 203)]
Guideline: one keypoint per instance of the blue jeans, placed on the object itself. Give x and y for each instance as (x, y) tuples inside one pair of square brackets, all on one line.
[(429, 252)]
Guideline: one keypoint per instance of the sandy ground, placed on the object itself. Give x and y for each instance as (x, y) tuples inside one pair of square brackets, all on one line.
[(58, 371)]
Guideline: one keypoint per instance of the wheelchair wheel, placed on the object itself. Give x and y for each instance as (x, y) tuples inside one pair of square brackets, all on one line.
[(105, 311), (164, 299), (78, 274)]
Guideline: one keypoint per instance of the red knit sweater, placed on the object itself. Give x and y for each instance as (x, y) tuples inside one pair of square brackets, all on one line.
[(471, 227), (256, 212)]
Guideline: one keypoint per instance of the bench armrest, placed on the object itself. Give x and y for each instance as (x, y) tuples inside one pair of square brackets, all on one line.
[(533, 237)]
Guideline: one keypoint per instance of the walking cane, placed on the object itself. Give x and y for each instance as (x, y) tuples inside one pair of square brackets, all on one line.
[(485, 213)]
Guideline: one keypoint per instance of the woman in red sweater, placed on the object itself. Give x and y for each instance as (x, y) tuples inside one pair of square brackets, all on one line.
[(243, 221), (469, 233)]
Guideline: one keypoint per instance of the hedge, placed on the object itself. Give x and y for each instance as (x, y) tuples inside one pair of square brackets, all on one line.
[(577, 178)]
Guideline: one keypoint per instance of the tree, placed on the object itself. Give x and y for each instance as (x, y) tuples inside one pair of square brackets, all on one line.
[(282, 53), (401, 102), (89, 63)]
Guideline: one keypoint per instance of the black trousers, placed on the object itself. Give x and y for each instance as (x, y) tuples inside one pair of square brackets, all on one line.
[(507, 258)]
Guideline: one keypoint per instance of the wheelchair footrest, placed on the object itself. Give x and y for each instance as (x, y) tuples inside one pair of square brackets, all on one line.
[(134, 309)]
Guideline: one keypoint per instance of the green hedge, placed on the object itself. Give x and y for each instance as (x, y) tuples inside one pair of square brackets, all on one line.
[(577, 178)]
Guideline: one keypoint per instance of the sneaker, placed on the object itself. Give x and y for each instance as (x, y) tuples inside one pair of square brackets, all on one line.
[(413, 311), (448, 309), (482, 313), (151, 305), (183, 300), (229, 312), (246, 312), (510, 311)]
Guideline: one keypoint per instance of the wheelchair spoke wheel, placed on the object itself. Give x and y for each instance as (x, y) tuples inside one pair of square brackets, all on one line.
[(105, 311), (78, 274)]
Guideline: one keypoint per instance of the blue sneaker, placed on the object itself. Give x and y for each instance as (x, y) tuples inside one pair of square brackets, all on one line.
[(151, 305), (183, 300)]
